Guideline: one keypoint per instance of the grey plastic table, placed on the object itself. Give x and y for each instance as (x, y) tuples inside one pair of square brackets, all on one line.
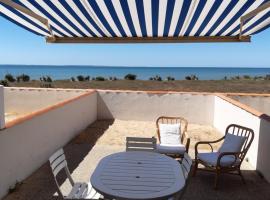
[(138, 175)]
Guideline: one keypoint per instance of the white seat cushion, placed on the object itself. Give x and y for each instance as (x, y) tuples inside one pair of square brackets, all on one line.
[(169, 134), (171, 149), (211, 159), (232, 143)]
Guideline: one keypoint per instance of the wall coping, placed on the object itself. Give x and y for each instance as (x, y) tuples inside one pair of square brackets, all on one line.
[(46, 109)]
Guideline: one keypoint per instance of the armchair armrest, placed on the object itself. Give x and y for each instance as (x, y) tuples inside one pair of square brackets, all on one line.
[(235, 154), (206, 142), (186, 136)]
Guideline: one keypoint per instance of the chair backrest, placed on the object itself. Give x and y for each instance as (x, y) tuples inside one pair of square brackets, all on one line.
[(58, 163), (173, 120), (140, 144), (243, 132), (186, 165)]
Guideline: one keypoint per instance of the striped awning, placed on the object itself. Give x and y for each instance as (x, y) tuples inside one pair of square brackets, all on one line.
[(139, 20)]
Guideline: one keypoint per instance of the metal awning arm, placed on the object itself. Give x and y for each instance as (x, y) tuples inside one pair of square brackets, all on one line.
[(16, 6), (251, 14)]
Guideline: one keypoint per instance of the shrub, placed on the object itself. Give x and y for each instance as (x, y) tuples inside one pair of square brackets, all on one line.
[(100, 78), (267, 77), (4, 83), (192, 77), (87, 78), (130, 77), (80, 78), (155, 78), (113, 78), (170, 78), (10, 78), (46, 79), (25, 78), (73, 79), (246, 77)]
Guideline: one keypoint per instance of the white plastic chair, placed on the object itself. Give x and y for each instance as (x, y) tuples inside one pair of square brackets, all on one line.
[(186, 166), (141, 144), (79, 190)]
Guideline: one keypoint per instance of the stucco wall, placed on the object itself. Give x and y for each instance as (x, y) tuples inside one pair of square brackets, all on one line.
[(263, 158), (259, 102), (131, 105), (227, 113), (26, 100), (25, 146), (2, 108)]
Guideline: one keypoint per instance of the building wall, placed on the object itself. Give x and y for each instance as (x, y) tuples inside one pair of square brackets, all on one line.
[(26, 100), (227, 112), (259, 102), (148, 106), (2, 108), (27, 144)]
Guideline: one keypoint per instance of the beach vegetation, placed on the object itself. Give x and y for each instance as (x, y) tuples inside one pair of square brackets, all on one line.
[(247, 77), (10, 78), (100, 78), (130, 77), (192, 77), (23, 78), (83, 78), (46, 79), (170, 78), (72, 79), (80, 78), (113, 78), (4, 83), (87, 78), (267, 77), (155, 78)]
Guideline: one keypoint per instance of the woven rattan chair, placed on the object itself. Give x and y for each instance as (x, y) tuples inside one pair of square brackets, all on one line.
[(141, 144), (225, 162), (79, 190), (184, 140)]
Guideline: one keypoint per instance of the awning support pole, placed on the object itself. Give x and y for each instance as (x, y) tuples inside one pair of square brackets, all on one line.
[(16, 6), (251, 14)]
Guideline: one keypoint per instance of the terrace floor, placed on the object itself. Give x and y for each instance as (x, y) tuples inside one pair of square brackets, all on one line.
[(106, 137)]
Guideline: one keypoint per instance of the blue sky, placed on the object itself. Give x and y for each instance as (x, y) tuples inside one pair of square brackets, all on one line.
[(18, 46)]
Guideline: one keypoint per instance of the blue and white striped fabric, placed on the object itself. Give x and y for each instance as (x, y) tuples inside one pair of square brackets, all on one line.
[(139, 18)]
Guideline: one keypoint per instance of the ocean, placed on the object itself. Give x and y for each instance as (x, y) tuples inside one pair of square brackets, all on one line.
[(143, 73)]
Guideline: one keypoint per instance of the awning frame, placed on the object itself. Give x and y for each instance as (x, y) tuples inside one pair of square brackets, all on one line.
[(182, 39), (251, 14)]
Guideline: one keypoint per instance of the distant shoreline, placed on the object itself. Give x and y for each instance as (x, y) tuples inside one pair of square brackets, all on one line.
[(143, 73)]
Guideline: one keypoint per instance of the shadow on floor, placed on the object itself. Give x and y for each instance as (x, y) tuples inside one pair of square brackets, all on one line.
[(41, 184)]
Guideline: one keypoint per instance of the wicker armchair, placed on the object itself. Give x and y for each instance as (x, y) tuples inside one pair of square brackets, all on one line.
[(184, 140), (225, 162)]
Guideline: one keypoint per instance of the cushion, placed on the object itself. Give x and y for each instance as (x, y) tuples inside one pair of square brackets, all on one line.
[(171, 149), (211, 159), (232, 143), (169, 134)]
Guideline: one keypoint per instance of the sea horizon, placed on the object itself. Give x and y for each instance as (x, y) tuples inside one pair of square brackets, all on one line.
[(59, 72)]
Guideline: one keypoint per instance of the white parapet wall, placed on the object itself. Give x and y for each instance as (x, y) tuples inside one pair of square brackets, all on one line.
[(148, 106), (2, 108), (26, 100), (258, 101), (27, 143), (229, 111)]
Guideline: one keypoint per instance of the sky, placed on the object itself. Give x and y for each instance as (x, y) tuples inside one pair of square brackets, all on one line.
[(18, 46)]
